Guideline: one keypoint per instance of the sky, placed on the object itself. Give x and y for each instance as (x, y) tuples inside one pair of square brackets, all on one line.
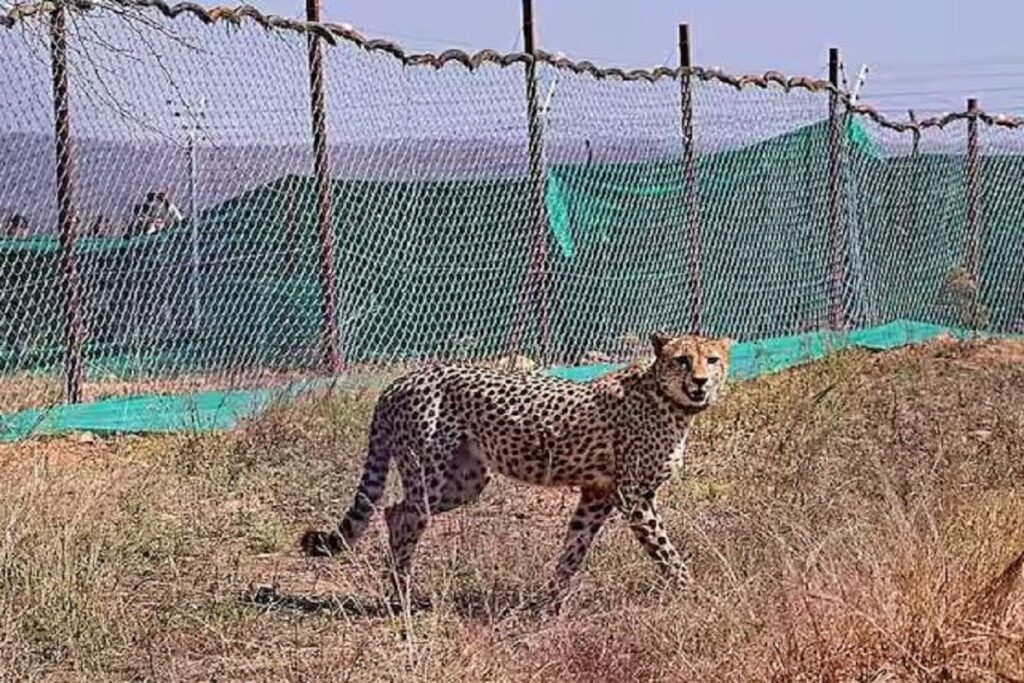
[(930, 55)]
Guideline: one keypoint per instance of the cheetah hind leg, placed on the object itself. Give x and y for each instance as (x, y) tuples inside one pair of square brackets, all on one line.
[(445, 479)]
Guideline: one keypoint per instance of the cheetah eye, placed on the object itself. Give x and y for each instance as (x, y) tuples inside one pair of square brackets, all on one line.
[(684, 362), (712, 360)]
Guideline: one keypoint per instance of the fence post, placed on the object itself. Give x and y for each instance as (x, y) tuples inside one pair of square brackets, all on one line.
[(73, 330), (916, 133), (915, 173), (536, 290), (973, 193), (691, 196), (836, 317), (325, 212), (974, 214)]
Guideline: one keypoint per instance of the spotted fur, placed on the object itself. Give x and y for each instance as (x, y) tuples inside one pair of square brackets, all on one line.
[(448, 428)]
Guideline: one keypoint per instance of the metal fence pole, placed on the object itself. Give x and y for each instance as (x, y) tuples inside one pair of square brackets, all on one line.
[(536, 291), (73, 328), (973, 193), (915, 172), (836, 317), (692, 197), (973, 197), (539, 249), (325, 213), (916, 144)]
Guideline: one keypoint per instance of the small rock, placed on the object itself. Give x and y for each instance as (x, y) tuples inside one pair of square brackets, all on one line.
[(84, 437)]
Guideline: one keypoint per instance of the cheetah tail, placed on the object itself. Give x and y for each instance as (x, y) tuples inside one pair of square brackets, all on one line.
[(354, 523), (368, 494)]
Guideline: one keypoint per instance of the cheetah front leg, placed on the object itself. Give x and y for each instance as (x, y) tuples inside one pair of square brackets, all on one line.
[(641, 510), (593, 509)]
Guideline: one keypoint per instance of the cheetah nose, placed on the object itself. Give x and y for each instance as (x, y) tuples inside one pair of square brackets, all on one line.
[(700, 381)]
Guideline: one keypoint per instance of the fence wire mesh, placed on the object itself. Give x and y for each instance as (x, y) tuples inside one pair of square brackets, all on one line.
[(200, 253)]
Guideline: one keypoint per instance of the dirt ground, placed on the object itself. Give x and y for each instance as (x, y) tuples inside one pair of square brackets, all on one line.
[(853, 519)]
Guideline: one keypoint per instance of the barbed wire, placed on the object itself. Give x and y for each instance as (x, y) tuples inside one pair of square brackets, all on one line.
[(335, 32)]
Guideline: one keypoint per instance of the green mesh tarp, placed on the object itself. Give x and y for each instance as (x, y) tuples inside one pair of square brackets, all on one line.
[(253, 300), (765, 255), (438, 270)]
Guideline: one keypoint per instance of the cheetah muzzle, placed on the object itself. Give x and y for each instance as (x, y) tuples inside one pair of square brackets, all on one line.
[(617, 439)]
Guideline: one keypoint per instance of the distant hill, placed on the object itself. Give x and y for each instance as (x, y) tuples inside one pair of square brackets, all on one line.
[(111, 177)]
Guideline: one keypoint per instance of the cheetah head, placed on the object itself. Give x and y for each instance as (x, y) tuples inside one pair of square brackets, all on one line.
[(690, 370)]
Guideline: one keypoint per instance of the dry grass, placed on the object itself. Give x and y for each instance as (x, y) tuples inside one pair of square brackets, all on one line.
[(26, 390), (856, 519), (45, 389)]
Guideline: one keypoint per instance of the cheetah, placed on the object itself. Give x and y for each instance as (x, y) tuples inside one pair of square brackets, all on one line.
[(447, 428)]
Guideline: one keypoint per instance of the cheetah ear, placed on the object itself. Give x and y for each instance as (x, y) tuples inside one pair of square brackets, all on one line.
[(659, 340)]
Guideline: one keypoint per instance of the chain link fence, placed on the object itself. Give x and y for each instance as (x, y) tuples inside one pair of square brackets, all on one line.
[(179, 237)]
